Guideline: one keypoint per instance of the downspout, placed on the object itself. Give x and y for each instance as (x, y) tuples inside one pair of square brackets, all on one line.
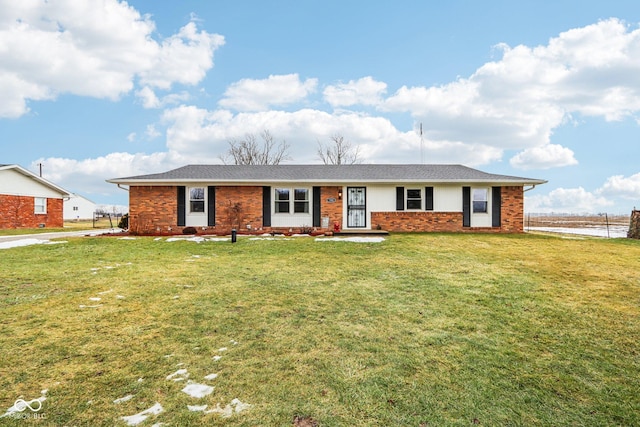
[(528, 189), (122, 188)]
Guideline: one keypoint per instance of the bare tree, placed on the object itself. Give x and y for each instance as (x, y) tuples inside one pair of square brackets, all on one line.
[(340, 153), (249, 151)]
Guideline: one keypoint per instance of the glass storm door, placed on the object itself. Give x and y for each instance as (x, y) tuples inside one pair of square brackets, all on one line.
[(356, 207)]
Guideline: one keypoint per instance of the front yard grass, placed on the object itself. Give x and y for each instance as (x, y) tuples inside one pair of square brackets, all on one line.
[(423, 329)]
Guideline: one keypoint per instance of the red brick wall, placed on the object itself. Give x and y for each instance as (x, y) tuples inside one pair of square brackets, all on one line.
[(331, 210), (153, 209), (512, 218), (249, 208), (512, 210), (19, 212), (417, 221)]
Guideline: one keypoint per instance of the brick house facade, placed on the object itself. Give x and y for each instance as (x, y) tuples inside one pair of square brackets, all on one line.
[(214, 199), (29, 201)]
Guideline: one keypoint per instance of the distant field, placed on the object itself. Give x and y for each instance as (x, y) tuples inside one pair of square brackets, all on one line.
[(418, 330), (576, 221), (594, 225)]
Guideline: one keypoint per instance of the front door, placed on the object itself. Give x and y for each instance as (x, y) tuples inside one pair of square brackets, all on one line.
[(356, 207)]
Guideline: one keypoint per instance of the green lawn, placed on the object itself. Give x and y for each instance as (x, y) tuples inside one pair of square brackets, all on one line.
[(419, 330)]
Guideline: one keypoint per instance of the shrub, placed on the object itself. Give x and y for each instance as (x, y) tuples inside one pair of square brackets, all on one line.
[(124, 222), (189, 230)]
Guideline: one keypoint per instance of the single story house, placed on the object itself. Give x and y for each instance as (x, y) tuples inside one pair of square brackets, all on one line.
[(359, 197), (78, 207), (28, 200)]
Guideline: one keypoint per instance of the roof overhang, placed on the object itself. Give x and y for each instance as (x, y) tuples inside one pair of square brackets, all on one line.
[(48, 184)]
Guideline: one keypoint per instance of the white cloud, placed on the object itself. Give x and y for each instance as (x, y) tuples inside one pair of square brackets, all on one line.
[(91, 174), (259, 95), (621, 186), (517, 101), (364, 91), (152, 132), (91, 49), (567, 200), (150, 100), (544, 157), (182, 58)]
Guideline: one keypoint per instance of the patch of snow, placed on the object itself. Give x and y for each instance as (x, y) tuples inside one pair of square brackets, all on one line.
[(157, 238), (351, 239), (197, 408), (224, 413), (119, 297), (216, 358), (134, 420), (105, 292), (239, 405), (90, 306), (196, 239), (124, 399), (234, 342), (127, 238), (140, 380), (95, 299), (197, 390), (221, 349), (27, 242), (211, 377), (228, 410), (182, 373)]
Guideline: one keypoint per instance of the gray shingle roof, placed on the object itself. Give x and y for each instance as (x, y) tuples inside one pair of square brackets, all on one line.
[(369, 173)]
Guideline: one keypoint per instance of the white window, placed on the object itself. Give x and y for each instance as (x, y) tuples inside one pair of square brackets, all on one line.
[(480, 202), (301, 200), (40, 205), (283, 200), (414, 199), (196, 199)]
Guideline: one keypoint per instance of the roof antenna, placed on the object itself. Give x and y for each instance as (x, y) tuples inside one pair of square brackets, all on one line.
[(421, 146), (40, 164)]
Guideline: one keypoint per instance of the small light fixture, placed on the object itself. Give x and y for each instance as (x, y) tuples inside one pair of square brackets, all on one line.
[(339, 193)]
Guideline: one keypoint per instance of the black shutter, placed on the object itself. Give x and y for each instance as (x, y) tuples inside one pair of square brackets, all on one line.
[(428, 198), (316, 206), (496, 206), (182, 206), (266, 206), (466, 206), (399, 198), (211, 206)]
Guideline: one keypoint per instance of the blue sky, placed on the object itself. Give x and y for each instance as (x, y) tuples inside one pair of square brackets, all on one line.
[(541, 89)]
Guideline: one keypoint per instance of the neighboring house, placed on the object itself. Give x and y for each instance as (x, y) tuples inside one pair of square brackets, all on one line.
[(29, 201), (78, 207), (217, 198)]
